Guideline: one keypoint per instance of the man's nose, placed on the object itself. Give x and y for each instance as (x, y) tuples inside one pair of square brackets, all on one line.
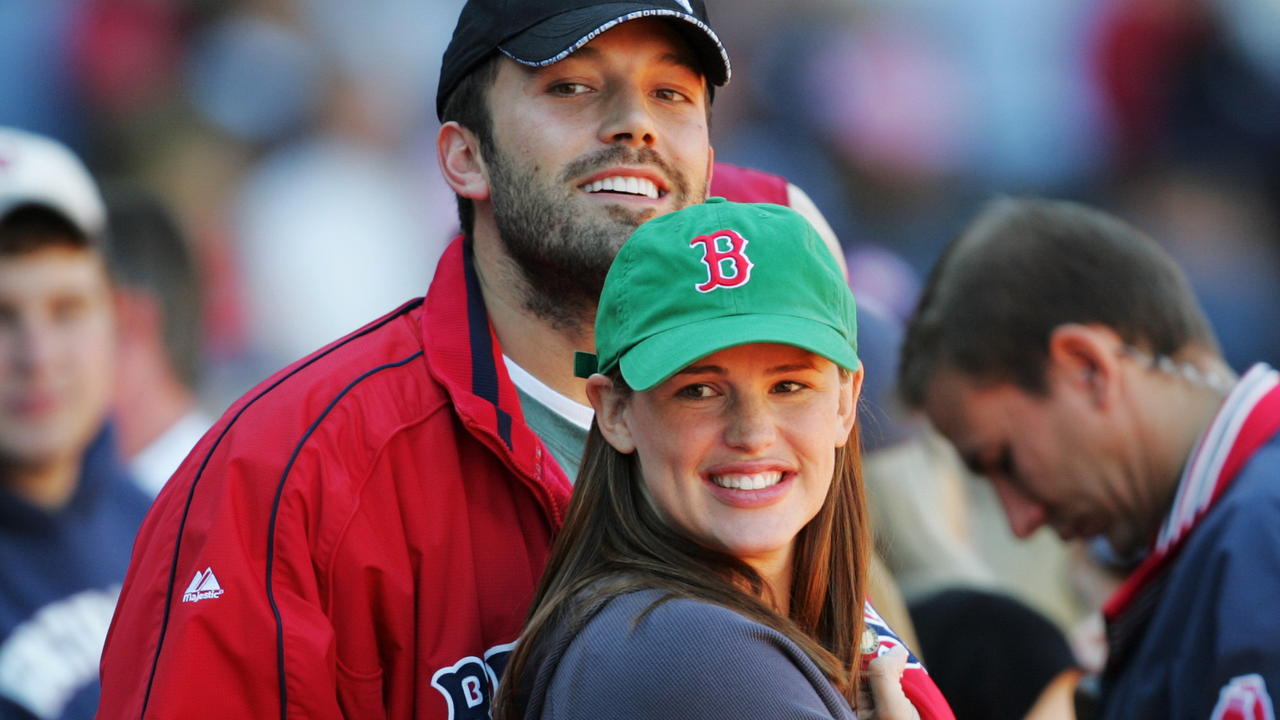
[(34, 344), (628, 118), (1025, 513)]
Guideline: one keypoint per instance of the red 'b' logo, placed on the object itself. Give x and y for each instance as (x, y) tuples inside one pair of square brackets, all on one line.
[(1244, 698), (726, 268)]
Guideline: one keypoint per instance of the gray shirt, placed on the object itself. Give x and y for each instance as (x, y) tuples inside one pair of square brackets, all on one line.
[(564, 439), (685, 660)]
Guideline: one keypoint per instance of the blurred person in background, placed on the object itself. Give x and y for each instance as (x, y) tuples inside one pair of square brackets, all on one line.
[(919, 509), (68, 509), (157, 415), (1066, 357), (380, 511)]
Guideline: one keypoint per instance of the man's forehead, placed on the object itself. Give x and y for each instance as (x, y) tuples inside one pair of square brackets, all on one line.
[(53, 265), (654, 31)]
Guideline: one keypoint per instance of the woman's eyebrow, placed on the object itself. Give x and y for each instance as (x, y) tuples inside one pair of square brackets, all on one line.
[(702, 370), (792, 367)]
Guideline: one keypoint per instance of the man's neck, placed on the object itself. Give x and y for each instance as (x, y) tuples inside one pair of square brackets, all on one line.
[(149, 400), (48, 485), (531, 341), (1176, 414)]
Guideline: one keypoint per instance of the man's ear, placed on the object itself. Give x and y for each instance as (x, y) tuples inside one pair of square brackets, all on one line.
[(1087, 357), (847, 413), (458, 151), (610, 406)]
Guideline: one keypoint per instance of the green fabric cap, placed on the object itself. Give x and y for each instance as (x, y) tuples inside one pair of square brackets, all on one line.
[(715, 276)]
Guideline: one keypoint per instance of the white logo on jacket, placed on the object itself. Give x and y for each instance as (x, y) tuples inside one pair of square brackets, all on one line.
[(204, 586)]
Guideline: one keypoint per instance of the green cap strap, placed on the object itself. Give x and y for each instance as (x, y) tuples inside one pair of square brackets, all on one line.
[(585, 364)]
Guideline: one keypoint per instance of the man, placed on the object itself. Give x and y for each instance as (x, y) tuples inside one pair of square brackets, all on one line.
[(68, 511), (1065, 356), (361, 535), (157, 304)]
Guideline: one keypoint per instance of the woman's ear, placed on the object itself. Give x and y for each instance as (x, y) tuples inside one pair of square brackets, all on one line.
[(610, 405), (847, 413), (458, 150)]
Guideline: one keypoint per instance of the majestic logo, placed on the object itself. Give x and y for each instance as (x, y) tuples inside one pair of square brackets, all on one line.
[(204, 586), (727, 268), (470, 684), (1244, 698), (685, 4)]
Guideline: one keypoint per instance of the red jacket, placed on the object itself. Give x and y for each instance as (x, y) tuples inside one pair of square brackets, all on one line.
[(359, 536), (365, 517)]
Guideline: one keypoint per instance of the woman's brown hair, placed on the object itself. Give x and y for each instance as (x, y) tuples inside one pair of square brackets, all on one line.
[(614, 542)]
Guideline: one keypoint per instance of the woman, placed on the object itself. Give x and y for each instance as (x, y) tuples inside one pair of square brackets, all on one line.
[(713, 560)]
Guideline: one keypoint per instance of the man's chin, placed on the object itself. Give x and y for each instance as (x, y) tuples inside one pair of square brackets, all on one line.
[(626, 216), (1125, 547)]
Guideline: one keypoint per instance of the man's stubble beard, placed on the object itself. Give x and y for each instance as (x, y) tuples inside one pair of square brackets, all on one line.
[(563, 252)]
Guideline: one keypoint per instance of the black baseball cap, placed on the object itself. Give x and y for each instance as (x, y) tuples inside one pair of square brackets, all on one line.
[(543, 32)]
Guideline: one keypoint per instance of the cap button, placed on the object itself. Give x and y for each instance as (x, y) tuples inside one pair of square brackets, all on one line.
[(711, 200)]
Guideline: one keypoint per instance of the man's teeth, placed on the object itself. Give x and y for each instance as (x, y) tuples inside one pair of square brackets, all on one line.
[(747, 482), (620, 184)]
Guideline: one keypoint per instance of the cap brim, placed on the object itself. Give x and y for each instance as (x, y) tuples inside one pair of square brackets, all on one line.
[(660, 356), (554, 39), (11, 205)]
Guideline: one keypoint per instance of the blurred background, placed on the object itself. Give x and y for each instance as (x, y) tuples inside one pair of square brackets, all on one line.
[(294, 141), (294, 138)]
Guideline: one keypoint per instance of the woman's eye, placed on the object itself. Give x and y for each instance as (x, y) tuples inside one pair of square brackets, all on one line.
[(671, 95), (788, 386), (696, 391)]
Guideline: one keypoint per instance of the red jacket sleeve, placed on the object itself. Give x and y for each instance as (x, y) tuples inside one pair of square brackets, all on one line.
[(195, 632), (228, 609)]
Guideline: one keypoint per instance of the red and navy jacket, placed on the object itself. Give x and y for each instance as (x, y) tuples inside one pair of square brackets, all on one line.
[(1195, 630), (359, 536)]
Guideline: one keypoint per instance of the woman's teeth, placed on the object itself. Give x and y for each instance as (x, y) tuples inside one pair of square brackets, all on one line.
[(747, 482), (628, 185)]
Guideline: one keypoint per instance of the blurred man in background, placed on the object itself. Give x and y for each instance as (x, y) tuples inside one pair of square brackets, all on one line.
[(1065, 356), (68, 510), (157, 301)]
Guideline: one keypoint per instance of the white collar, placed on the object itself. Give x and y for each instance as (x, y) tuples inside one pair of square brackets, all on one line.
[(1204, 464), (562, 405)]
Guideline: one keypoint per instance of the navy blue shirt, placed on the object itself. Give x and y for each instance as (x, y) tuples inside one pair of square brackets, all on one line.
[(1218, 617), (60, 575)]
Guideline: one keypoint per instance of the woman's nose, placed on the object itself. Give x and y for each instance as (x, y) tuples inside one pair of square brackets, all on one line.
[(750, 427)]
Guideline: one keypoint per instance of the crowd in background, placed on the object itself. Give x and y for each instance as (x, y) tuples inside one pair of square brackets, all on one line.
[(295, 142), (295, 138)]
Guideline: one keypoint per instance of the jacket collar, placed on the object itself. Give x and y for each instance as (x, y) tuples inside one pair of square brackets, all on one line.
[(464, 356), (1247, 419)]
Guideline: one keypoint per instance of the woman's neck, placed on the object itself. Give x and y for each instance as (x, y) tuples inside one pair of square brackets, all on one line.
[(775, 570)]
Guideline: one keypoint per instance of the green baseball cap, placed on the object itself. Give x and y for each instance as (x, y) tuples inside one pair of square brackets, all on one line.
[(715, 276)]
